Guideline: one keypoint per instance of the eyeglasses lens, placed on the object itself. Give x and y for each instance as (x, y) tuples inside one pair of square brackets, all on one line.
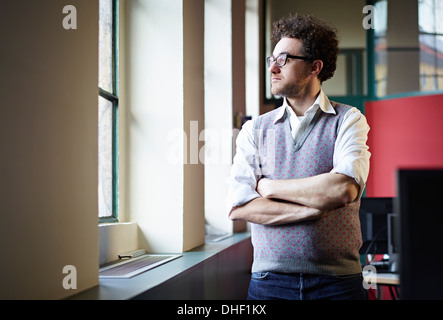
[(280, 60)]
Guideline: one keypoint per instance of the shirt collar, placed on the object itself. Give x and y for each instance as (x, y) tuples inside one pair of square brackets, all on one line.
[(322, 101)]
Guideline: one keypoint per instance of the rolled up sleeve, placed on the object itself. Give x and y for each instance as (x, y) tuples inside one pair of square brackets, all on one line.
[(351, 156), (244, 174)]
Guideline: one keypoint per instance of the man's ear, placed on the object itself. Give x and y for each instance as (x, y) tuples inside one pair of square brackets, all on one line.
[(316, 67)]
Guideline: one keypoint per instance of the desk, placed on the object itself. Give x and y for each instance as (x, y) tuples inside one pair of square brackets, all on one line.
[(392, 280)]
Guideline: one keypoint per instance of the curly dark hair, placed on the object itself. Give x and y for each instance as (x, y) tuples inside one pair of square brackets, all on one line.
[(320, 41)]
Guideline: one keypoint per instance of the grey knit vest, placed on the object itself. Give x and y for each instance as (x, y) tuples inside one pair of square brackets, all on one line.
[(328, 246)]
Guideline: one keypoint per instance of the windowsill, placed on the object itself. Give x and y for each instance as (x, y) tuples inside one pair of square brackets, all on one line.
[(124, 289), (115, 238)]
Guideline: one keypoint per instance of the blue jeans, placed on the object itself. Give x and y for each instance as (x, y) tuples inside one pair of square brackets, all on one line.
[(301, 286)]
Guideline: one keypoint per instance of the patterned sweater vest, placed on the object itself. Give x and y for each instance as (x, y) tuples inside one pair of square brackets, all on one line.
[(329, 246)]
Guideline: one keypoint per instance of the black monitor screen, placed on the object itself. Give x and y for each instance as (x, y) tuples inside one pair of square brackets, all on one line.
[(374, 224), (419, 204)]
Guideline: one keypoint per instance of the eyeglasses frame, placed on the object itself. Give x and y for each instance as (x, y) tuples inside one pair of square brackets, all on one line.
[(269, 62)]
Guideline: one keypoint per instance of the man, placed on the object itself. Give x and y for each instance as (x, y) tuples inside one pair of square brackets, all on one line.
[(299, 173)]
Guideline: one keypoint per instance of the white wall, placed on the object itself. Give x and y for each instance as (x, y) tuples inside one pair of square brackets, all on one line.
[(224, 98), (163, 92), (48, 139), (254, 61), (193, 104), (345, 15), (403, 56)]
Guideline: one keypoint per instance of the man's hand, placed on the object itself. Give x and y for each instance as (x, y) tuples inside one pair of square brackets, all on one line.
[(264, 187)]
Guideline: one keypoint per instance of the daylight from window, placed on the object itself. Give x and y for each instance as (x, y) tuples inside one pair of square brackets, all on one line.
[(107, 104)]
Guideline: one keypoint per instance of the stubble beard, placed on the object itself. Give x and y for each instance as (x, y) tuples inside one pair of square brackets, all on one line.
[(290, 90), (286, 91), (295, 89)]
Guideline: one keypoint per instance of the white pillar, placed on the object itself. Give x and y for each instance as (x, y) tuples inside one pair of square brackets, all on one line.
[(164, 81), (253, 58), (224, 93), (403, 49)]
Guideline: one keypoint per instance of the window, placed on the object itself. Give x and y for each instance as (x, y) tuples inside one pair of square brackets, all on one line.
[(404, 61), (431, 44), (380, 46), (108, 111)]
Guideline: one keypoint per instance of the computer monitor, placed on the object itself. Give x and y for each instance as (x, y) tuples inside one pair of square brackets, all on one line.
[(394, 241), (419, 205), (374, 224)]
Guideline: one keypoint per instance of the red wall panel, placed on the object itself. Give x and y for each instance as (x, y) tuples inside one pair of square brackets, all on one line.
[(405, 133)]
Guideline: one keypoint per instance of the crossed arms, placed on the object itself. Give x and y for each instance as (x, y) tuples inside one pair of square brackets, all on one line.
[(276, 202), (296, 200)]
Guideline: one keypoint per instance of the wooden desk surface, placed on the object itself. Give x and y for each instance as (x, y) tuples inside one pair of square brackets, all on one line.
[(382, 278)]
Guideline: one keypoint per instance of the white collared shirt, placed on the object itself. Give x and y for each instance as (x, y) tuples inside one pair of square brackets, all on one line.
[(296, 122), (351, 155)]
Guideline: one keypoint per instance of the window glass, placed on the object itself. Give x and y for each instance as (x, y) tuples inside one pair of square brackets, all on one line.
[(107, 112), (105, 157), (380, 45), (106, 56), (431, 44)]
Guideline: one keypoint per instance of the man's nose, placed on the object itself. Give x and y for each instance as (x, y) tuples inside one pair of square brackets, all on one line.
[(274, 68)]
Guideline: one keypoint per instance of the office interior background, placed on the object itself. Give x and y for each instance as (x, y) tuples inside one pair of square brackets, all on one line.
[(118, 127)]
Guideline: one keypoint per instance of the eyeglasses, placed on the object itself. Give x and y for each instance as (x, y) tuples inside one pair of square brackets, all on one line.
[(282, 59)]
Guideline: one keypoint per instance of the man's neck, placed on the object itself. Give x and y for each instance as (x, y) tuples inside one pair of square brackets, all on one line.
[(303, 103)]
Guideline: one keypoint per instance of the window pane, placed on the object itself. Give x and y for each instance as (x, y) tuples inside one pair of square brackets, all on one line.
[(426, 18), (438, 15), (381, 70), (105, 157), (439, 45), (381, 18), (105, 45)]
